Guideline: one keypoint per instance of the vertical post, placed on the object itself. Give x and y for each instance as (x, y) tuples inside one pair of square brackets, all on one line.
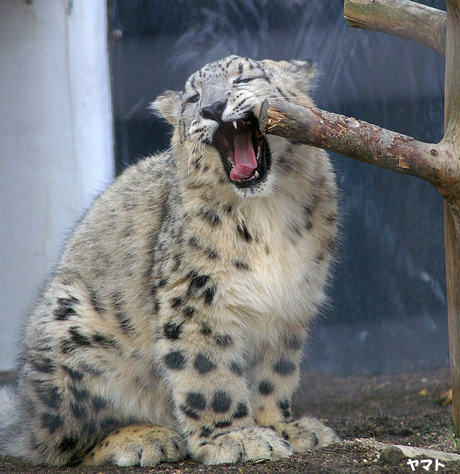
[(452, 243), (451, 209)]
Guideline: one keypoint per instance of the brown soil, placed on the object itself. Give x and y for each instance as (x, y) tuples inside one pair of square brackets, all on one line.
[(397, 409)]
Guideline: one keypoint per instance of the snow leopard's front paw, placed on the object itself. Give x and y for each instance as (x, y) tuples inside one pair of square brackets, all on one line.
[(251, 443), (306, 433), (137, 445)]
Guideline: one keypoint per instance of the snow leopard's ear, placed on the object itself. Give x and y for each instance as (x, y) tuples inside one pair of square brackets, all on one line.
[(167, 106), (303, 73)]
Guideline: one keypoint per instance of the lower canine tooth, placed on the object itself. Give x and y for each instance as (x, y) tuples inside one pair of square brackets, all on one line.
[(256, 174)]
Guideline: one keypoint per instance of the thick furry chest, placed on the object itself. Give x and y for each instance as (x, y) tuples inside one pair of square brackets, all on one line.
[(266, 272), (275, 285)]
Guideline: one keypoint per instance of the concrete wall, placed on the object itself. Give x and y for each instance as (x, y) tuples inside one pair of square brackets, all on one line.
[(56, 143)]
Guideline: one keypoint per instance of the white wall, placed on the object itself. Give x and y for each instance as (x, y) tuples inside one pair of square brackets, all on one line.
[(56, 143)]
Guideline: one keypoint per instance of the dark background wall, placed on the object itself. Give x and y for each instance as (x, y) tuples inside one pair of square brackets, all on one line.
[(387, 310)]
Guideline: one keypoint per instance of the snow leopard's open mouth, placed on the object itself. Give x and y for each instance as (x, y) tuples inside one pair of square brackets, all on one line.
[(244, 151)]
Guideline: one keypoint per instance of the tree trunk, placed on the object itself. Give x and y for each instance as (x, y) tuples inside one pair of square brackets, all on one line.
[(451, 209)]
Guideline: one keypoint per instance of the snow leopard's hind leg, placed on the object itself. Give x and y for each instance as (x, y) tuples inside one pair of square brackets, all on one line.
[(141, 444)]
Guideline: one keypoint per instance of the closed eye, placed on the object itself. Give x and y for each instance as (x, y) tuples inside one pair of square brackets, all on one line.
[(243, 80), (193, 99)]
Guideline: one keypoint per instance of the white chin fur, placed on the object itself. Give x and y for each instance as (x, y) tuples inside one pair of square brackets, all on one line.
[(262, 189)]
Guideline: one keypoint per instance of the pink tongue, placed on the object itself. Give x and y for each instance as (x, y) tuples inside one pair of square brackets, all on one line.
[(245, 158)]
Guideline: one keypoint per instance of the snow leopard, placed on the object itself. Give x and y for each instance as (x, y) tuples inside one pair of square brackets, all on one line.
[(174, 323)]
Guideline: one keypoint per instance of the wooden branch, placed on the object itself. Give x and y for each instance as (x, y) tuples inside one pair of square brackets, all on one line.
[(403, 18), (363, 141)]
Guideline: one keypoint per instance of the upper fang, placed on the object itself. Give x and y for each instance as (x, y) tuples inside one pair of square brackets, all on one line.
[(235, 124)]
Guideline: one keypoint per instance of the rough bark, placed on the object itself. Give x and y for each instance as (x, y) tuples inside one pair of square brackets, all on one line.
[(366, 142)]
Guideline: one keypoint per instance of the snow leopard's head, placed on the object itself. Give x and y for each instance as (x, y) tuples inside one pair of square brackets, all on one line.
[(216, 118)]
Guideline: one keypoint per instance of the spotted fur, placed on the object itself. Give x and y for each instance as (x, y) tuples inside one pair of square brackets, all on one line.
[(175, 320)]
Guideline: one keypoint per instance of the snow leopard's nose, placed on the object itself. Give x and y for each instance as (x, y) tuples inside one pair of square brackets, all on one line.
[(214, 111)]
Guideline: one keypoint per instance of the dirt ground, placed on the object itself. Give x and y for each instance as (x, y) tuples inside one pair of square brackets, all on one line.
[(398, 409)]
